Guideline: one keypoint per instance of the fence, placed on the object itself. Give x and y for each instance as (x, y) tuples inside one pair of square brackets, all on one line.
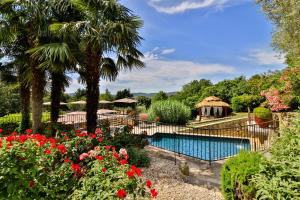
[(211, 143)]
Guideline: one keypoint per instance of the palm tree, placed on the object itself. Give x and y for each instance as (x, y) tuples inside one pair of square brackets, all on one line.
[(14, 45), (107, 27), (33, 19)]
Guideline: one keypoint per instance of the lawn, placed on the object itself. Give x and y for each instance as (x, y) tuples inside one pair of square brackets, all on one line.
[(16, 117)]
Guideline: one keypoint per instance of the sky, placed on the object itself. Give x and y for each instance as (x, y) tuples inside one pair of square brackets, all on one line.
[(186, 40)]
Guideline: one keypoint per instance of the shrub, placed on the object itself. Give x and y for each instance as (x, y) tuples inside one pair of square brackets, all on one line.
[(241, 103), (279, 177), (8, 127), (262, 113), (138, 157), (74, 165), (170, 111), (236, 174)]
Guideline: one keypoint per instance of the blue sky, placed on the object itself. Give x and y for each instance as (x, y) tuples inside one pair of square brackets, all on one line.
[(186, 40)]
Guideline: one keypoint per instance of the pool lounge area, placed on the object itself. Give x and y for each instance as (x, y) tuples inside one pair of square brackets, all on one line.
[(200, 147)]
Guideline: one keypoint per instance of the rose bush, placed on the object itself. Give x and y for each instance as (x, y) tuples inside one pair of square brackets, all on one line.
[(72, 165)]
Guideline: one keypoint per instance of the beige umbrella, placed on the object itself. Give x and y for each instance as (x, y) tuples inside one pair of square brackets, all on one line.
[(106, 111), (105, 102), (78, 102), (126, 100), (49, 103)]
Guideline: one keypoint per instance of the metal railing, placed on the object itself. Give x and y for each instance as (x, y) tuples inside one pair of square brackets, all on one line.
[(209, 143)]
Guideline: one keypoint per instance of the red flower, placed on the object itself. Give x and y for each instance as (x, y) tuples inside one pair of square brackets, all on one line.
[(47, 151), (67, 160), (100, 139), (78, 131), (154, 193), (92, 135), (148, 183), (123, 162), (66, 138), (28, 131), (99, 157), (76, 168), (113, 148), (121, 193), (31, 184), (1, 130), (103, 169), (62, 148), (116, 155), (107, 147), (126, 157), (130, 173), (13, 133), (136, 170), (63, 133)]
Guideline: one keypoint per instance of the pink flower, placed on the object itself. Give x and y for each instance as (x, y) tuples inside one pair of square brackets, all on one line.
[(83, 156), (103, 169), (123, 152), (98, 131)]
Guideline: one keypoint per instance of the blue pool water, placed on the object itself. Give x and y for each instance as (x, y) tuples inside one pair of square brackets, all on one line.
[(202, 147)]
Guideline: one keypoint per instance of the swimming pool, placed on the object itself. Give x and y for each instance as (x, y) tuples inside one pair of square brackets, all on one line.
[(202, 147)]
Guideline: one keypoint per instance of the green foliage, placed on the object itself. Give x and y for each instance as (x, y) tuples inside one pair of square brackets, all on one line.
[(9, 127), (241, 103), (191, 92), (279, 177), (236, 175), (107, 96), (262, 113), (123, 94), (144, 101), (138, 157), (160, 96), (169, 111), (123, 139), (9, 100), (227, 89)]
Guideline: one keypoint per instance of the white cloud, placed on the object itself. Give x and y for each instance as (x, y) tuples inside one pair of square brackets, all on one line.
[(161, 74), (264, 57), (168, 51), (167, 75), (180, 6)]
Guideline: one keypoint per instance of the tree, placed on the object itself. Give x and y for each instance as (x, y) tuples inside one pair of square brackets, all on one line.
[(191, 92), (106, 26), (106, 96), (144, 101), (160, 96), (32, 19), (285, 15), (79, 94), (123, 94)]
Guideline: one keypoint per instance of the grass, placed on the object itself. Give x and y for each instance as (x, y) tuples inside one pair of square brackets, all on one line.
[(16, 117)]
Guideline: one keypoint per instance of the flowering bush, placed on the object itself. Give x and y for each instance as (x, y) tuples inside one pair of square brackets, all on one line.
[(72, 165)]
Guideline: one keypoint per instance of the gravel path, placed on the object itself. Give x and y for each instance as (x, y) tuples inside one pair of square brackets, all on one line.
[(170, 183)]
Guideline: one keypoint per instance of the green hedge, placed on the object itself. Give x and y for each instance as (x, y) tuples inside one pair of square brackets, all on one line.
[(237, 173), (241, 103), (262, 113), (279, 177), (169, 111)]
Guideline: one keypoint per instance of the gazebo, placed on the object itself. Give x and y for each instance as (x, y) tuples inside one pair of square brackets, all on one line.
[(212, 107)]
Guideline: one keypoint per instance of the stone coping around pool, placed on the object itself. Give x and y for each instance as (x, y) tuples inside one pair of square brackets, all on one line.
[(202, 173)]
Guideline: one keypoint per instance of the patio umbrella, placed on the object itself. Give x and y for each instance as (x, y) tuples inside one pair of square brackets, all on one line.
[(78, 102), (105, 102), (126, 100), (49, 103)]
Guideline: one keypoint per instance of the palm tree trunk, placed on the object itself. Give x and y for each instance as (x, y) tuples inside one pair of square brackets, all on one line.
[(37, 86), (56, 91), (92, 84), (25, 105)]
